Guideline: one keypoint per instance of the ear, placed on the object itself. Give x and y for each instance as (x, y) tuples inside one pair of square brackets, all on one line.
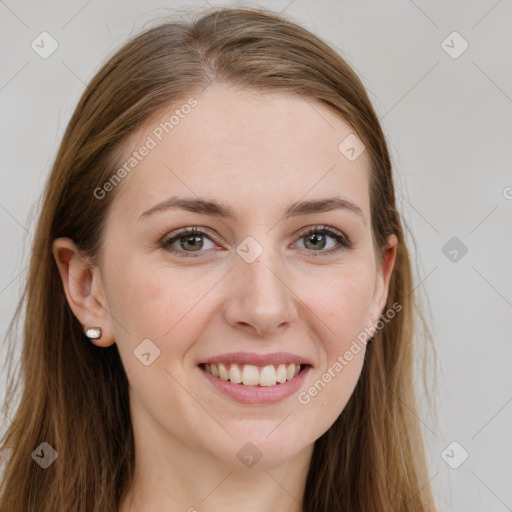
[(382, 279), (84, 289)]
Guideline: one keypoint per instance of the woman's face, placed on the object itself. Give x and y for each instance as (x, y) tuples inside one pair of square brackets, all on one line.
[(254, 283)]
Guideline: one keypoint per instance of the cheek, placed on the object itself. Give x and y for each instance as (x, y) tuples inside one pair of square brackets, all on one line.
[(167, 306), (150, 299), (343, 303)]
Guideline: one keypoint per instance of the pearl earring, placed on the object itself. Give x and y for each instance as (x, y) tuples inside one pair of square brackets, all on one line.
[(93, 333)]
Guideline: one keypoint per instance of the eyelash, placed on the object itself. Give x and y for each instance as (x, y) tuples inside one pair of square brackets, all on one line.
[(343, 241)]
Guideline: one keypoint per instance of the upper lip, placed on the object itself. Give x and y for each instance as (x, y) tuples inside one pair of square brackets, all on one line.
[(256, 359)]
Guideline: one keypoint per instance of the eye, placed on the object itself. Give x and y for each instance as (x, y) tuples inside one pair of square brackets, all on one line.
[(189, 241), (316, 239)]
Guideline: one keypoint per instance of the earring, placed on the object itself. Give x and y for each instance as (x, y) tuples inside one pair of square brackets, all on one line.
[(93, 333)]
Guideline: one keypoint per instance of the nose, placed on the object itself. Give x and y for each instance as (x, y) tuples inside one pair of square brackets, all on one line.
[(259, 299)]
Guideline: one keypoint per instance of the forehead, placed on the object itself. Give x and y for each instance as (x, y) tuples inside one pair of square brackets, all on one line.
[(246, 148)]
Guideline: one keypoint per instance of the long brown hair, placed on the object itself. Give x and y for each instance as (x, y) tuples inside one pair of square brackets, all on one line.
[(74, 395)]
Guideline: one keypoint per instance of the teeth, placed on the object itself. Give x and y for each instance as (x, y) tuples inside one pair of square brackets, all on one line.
[(251, 375), (268, 376), (281, 373), (290, 371), (223, 373), (235, 374)]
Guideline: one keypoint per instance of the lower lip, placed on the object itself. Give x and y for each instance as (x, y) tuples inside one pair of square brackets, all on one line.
[(257, 394)]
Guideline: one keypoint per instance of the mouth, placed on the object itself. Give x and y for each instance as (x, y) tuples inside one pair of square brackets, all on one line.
[(254, 375), (251, 384)]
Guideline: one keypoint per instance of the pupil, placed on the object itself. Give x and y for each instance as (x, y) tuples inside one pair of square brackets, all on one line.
[(191, 239), (317, 238)]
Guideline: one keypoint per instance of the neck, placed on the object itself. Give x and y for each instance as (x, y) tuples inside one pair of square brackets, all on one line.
[(171, 475)]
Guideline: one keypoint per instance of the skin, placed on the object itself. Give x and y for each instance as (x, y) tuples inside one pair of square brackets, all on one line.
[(257, 153)]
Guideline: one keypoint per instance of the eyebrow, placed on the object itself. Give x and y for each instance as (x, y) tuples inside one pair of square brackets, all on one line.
[(216, 209)]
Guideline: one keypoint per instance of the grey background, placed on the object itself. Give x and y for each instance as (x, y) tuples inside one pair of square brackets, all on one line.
[(447, 121)]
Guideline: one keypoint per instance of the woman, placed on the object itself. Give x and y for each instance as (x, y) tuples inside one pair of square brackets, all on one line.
[(219, 307)]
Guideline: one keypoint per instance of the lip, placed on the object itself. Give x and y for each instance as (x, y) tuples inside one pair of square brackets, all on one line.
[(257, 394), (257, 359)]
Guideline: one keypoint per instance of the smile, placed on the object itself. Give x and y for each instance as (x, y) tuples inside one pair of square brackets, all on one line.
[(251, 375), (245, 389)]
